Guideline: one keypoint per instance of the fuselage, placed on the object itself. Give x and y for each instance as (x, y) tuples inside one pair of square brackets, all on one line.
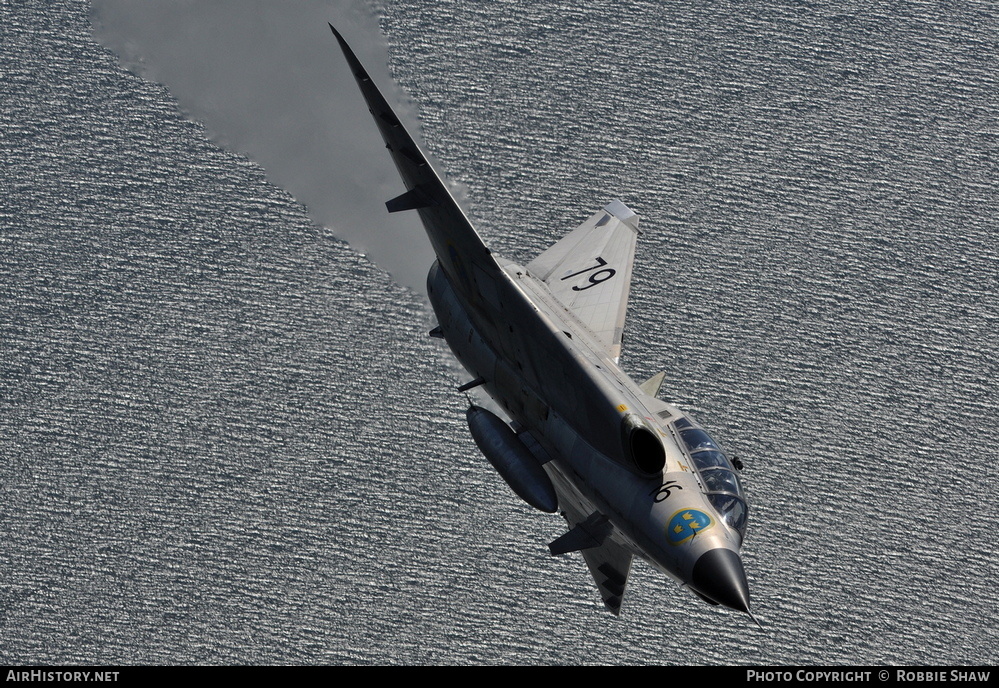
[(539, 362)]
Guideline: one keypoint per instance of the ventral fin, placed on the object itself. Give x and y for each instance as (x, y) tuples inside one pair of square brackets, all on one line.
[(584, 535), (413, 199)]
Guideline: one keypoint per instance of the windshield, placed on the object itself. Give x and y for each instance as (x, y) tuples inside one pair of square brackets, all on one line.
[(718, 476), (732, 509)]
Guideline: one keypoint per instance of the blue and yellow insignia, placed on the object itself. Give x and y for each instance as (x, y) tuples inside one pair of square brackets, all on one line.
[(685, 524)]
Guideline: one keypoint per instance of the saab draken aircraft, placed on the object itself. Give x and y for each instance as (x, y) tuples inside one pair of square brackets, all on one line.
[(632, 475)]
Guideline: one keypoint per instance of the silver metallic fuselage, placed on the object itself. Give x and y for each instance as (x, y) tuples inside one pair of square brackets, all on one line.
[(539, 363)]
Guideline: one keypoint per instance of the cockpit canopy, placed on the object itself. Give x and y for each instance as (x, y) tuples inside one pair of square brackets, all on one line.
[(721, 484)]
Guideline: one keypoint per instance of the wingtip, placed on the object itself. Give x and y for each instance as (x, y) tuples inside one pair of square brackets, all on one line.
[(337, 34), (352, 60), (623, 213)]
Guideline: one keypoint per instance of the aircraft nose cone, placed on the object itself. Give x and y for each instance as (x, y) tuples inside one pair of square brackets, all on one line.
[(718, 574)]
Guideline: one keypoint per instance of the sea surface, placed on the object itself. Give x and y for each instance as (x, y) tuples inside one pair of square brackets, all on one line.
[(226, 438)]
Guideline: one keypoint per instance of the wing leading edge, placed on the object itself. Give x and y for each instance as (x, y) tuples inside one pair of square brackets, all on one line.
[(589, 271), (456, 243)]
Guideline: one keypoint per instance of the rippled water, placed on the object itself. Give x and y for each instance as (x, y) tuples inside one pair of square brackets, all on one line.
[(227, 439)]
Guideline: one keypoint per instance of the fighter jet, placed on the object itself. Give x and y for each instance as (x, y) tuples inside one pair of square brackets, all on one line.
[(632, 475)]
